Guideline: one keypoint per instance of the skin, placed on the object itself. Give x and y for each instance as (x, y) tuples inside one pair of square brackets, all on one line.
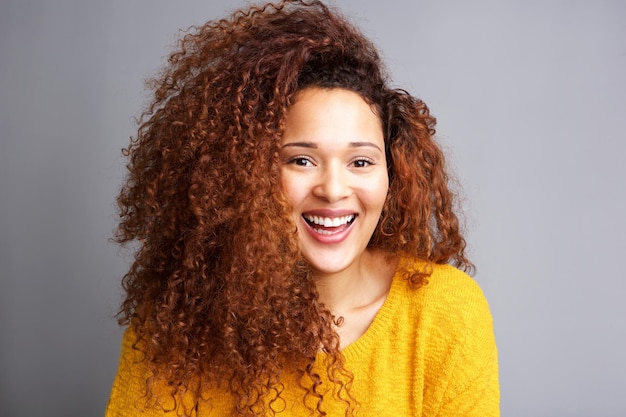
[(334, 173)]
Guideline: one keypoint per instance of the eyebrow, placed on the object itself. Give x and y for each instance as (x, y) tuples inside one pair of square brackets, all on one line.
[(359, 144), (300, 145), (312, 145)]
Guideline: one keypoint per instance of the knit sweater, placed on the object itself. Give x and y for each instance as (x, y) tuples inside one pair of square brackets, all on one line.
[(430, 351)]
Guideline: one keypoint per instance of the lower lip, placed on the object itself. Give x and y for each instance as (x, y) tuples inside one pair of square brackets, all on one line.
[(335, 237)]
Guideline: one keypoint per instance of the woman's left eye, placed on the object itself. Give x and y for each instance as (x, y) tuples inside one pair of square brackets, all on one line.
[(362, 163)]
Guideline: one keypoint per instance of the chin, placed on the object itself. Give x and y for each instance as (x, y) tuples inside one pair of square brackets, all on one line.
[(329, 266)]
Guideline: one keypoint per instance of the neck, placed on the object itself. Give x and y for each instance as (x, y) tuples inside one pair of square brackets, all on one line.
[(360, 285), (356, 294)]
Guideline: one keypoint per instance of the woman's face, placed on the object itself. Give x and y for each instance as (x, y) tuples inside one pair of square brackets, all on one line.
[(334, 174)]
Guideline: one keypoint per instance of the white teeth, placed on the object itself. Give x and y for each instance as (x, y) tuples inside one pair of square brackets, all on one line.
[(328, 221)]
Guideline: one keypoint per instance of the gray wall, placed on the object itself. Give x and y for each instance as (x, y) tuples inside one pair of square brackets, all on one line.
[(531, 101)]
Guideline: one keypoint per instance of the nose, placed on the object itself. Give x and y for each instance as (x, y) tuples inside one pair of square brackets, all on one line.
[(333, 184)]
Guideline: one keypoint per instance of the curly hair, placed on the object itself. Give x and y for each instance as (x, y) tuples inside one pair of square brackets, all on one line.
[(218, 290)]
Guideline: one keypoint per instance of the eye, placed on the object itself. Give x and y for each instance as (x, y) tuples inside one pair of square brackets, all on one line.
[(362, 162), (301, 161)]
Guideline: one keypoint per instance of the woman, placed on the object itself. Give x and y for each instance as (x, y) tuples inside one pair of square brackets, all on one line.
[(297, 242)]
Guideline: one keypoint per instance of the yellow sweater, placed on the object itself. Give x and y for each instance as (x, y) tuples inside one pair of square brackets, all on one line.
[(428, 352)]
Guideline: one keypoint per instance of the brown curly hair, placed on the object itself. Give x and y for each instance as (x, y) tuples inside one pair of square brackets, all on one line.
[(218, 290)]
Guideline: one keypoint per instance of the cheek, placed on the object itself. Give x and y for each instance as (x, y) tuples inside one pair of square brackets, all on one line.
[(290, 189), (380, 196)]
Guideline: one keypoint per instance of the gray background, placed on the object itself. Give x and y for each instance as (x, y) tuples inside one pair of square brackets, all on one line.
[(530, 97)]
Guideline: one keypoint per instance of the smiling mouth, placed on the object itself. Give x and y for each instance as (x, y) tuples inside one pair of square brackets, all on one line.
[(329, 225)]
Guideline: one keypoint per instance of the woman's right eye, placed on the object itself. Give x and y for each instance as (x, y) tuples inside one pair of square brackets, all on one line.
[(301, 161)]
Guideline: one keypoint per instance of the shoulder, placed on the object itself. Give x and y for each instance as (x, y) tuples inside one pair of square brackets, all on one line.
[(446, 290), (452, 289), (448, 309)]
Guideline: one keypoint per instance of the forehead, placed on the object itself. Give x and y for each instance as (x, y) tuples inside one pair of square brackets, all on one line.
[(321, 94), (318, 112)]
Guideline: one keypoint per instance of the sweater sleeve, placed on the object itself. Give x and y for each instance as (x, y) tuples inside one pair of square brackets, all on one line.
[(469, 363), (474, 389)]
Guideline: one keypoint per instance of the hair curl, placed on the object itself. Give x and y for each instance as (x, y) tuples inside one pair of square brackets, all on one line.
[(218, 290)]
